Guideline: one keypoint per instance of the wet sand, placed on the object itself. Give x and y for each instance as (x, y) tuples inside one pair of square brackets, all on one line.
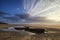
[(6, 35)]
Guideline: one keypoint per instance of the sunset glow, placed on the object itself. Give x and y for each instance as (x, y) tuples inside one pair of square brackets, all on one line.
[(55, 16)]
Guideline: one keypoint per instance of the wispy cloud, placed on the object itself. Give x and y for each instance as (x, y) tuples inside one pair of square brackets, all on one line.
[(19, 18)]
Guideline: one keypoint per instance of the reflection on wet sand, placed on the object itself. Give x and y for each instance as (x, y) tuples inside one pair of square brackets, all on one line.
[(22, 35)]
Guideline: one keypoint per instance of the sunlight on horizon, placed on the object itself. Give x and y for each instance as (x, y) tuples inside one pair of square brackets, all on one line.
[(54, 16)]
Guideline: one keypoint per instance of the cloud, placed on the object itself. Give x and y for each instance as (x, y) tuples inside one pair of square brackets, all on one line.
[(20, 18), (6, 17), (23, 15), (17, 18)]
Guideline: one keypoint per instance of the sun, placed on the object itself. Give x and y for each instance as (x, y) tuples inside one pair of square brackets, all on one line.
[(55, 16)]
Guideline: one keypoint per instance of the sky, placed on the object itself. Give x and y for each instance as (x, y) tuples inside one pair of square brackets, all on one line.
[(8, 9), (21, 11), (11, 6)]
